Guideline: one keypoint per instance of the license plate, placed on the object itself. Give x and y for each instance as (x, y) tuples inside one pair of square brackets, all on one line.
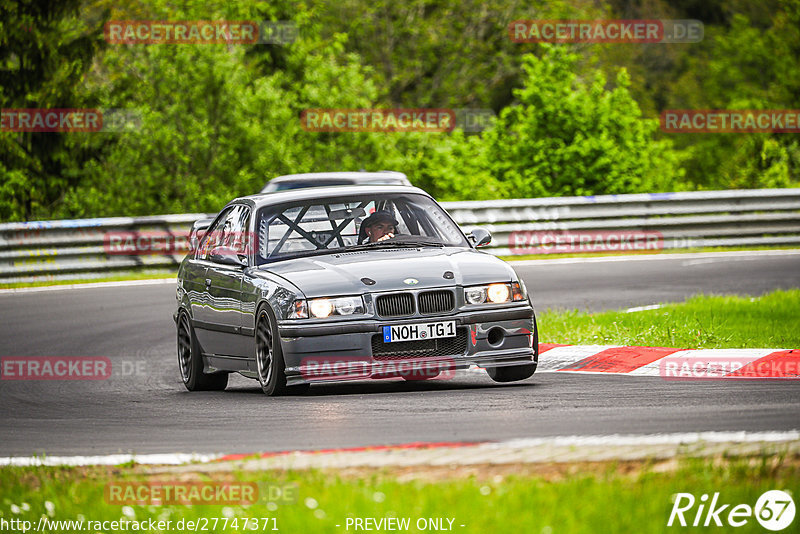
[(419, 331)]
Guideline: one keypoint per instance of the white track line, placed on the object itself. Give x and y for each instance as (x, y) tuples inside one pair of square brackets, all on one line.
[(644, 308), (654, 257), (90, 285)]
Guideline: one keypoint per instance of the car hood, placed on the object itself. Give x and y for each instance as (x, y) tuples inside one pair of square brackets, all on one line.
[(341, 274)]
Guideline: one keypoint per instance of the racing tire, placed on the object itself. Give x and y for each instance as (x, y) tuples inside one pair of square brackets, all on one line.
[(514, 373), (190, 361), (270, 367)]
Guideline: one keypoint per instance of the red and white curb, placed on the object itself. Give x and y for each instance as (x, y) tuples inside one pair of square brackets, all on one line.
[(527, 450), (523, 450), (670, 363)]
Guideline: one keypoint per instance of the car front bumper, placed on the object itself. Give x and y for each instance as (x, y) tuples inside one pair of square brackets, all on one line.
[(345, 350)]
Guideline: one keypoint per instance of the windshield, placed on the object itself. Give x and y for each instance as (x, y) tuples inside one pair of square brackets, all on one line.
[(321, 226)]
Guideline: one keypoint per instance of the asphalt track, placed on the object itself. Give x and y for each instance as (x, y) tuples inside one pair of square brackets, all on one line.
[(148, 411)]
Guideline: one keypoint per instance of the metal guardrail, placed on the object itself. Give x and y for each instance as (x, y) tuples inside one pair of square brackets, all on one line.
[(74, 249), (751, 217)]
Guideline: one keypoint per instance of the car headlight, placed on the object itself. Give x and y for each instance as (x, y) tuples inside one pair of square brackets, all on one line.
[(494, 293), (497, 293), (321, 308)]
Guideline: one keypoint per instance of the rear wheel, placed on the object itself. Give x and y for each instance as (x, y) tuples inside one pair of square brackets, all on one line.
[(514, 373), (190, 361)]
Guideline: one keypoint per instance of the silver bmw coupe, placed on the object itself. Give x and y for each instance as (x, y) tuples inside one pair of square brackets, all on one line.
[(347, 283)]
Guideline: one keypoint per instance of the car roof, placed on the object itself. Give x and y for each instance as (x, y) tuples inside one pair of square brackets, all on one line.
[(359, 176), (318, 193)]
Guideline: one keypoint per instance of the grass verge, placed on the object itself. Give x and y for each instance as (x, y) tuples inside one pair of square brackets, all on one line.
[(707, 322), (605, 497)]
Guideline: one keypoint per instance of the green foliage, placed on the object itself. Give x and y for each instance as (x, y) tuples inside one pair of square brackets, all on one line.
[(448, 53), (616, 496), (219, 121), (448, 166), (46, 50), (567, 136), (744, 66)]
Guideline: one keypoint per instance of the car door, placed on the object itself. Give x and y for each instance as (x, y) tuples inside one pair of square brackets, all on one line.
[(225, 287), (194, 280), (218, 320)]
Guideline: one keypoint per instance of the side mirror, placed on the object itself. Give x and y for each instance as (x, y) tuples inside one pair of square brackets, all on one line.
[(227, 256), (480, 237), (197, 232)]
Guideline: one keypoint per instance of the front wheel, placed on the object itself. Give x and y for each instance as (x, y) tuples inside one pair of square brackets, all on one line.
[(269, 357), (514, 373), (190, 361)]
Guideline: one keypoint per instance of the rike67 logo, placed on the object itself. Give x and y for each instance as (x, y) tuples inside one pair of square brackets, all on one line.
[(774, 510)]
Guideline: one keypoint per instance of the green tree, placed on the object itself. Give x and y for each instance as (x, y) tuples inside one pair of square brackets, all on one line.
[(567, 136), (219, 121), (744, 66), (46, 50), (443, 53)]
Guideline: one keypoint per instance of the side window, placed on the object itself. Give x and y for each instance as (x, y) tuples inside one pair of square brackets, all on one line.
[(238, 238), (215, 235)]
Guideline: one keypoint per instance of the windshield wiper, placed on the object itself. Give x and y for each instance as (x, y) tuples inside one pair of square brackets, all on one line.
[(393, 243), (410, 243)]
